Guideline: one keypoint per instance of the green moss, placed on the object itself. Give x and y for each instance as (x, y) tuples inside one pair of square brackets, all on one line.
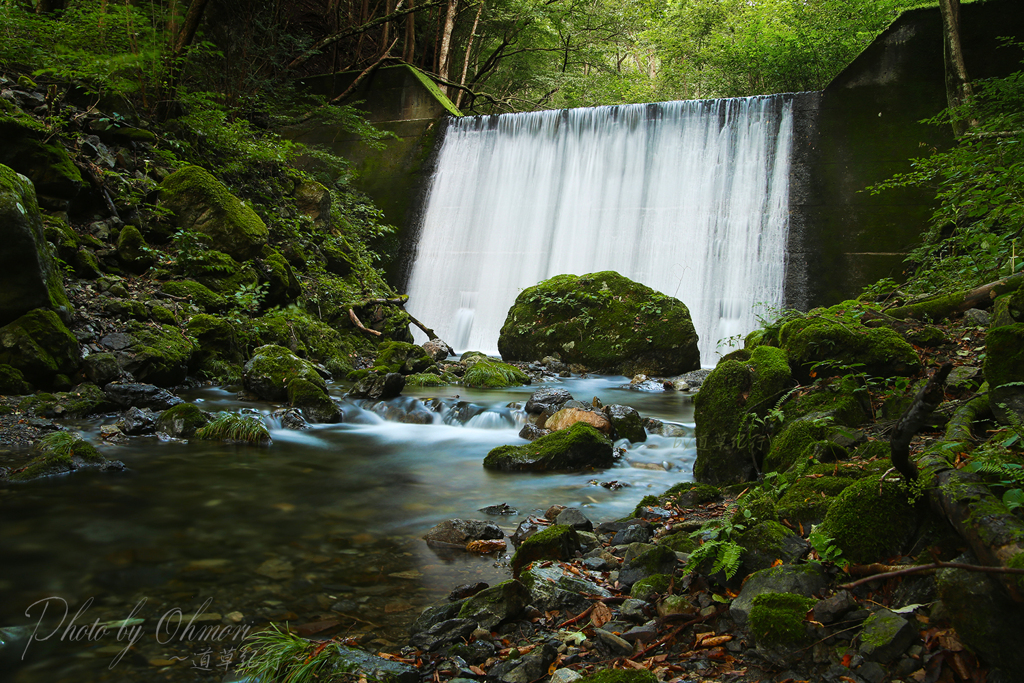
[(236, 428), (790, 446), (12, 381), (574, 448), (835, 336), (59, 452), (927, 336), (160, 353), (760, 503), (646, 502), (843, 399), (604, 322), (1004, 363), (132, 250), (930, 310), (221, 273), (196, 293), (424, 379), (313, 400), (202, 203), (431, 86), (219, 349), (494, 374), (181, 420), (308, 337), (778, 618), (283, 287), (620, 676), (870, 520), (557, 542), (272, 368), (39, 346), (402, 357), (680, 542), (808, 499)]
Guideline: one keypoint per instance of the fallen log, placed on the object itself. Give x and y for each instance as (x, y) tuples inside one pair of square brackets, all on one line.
[(929, 568), (939, 307), (910, 423)]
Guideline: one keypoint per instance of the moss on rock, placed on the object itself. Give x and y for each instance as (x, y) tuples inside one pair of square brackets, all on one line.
[(408, 359), (202, 203), (272, 368), (792, 443), (808, 499), (1004, 369), (196, 293), (870, 520), (132, 250), (12, 381), (59, 453), (308, 337), (313, 400), (282, 286), (778, 619), (604, 322), (575, 448), (159, 354), (218, 346), (645, 588), (557, 542), (736, 396), (181, 421), (492, 374), (39, 346), (620, 676)]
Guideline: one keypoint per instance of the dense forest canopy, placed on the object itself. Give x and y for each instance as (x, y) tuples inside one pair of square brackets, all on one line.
[(490, 55)]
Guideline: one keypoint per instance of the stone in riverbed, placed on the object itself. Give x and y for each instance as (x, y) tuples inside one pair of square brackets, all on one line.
[(548, 400), (566, 417), (626, 422), (557, 542), (576, 448), (141, 395), (462, 531), (378, 387), (502, 602)]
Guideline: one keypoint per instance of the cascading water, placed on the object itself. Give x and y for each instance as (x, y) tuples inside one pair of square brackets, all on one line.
[(689, 198)]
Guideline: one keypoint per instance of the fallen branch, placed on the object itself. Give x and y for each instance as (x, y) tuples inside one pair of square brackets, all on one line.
[(938, 307), (355, 321), (579, 617), (926, 401), (661, 641), (931, 567)]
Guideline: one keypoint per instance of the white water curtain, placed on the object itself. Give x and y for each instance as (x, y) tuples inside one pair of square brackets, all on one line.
[(689, 198)]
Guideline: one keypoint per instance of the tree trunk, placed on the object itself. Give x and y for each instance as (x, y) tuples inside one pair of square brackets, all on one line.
[(444, 53), (409, 50), (469, 49), (47, 6), (939, 307), (958, 86)]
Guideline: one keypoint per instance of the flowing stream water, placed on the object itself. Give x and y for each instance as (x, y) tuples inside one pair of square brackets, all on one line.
[(690, 198), (323, 525)]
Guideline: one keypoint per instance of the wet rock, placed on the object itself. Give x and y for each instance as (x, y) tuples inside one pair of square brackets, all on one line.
[(528, 527), (554, 543), (502, 602), (137, 421), (805, 580), (635, 610), (872, 672), (467, 590), (181, 421), (291, 418), (500, 509), (548, 401), (551, 589), (564, 676), (578, 447), (443, 633), (475, 652), (531, 667), (314, 401), (574, 518), (568, 416), (435, 614), (141, 396), (601, 560), (462, 531), (885, 635), (29, 278), (657, 560), (378, 387), (101, 368), (532, 432), (374, 668), (635, 533), (834, 607), (437, 349), (272, 368), (626, 422)]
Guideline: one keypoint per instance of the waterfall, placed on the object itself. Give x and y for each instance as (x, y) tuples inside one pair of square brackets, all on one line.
[(689, 198)]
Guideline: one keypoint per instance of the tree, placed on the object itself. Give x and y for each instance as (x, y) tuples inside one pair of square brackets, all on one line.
[(958, 85)]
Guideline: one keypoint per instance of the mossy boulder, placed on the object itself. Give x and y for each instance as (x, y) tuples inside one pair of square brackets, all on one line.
[(29, 278), (12, 381), (680, 542), (314, 402), (729, 410), (27, 150), (843, 400), (218, 343), (576, 448), (308, 337), (181, 421), (132, 251), (497, 604), (408, 359), (158, 354), (282, 286), (836, 337), (272, 368), (59, 453), (557, 542), (1004, 369), (491, 374), (39, 346), (196, 293), (202, 203), (871, 520), (777, 620), (602, 321), (221, 273), (658, 560), (790, 446), (809, 498), (766, 542), (82, 400), (645, 588)]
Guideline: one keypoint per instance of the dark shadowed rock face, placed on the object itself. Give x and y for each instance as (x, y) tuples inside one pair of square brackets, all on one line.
[(602, 321)]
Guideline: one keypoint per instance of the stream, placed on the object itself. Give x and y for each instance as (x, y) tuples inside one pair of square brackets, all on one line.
[(321, 530)]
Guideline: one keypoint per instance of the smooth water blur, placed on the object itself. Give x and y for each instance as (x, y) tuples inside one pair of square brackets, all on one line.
[(342, 506)]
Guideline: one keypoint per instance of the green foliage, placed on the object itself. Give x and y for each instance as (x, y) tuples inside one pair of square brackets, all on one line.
[(826, 549), (975, 232), (277, 655), (718, 546), (236, 427), (996, 461)]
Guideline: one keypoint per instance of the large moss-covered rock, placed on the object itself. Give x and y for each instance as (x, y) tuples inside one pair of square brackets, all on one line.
[(201, 202), (837, 337), (576, 448), (308, 337), (181, 421), (158, 354), (870, 520), (28, 276), (315, 403), (408, 359), (28, 150), (491, 374), (132, 250), (626, 422), (272, 368), (282, 287), (1004, 370), (59, 453), (12, 381), (490, 607), (557, 542), (218, 348), (39, 346), (729, 412), (196, 293), (603, 321)]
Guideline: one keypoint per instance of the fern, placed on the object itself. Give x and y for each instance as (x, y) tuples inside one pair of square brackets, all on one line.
[(717, 546)]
